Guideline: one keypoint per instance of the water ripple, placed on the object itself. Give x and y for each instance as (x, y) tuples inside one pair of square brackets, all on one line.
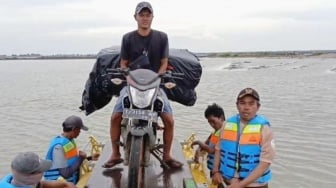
[(297, 95)]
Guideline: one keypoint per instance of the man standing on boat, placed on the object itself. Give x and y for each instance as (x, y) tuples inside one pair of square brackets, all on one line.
[(149, 46), (245, 150), (66, 158)]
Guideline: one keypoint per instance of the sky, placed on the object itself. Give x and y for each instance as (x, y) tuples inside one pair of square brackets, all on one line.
[(86, 26)]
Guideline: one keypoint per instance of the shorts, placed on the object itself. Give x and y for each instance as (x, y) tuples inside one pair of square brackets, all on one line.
[(119, 107)]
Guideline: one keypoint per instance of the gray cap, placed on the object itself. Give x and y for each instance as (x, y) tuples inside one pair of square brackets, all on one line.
[(29, 162), (248, 91), (74, 122), (142, 5)]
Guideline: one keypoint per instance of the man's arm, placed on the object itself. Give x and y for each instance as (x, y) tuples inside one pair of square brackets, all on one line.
[(60, 162), (123, 63), (124, 52), (204, 145), (56, 184), (164, 54), (266, 157), (70, 170), (163, 66), (217, 176), (255, 174)]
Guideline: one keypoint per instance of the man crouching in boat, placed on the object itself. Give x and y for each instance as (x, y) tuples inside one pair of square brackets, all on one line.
[(27, 171), (66, 158), (245, 150), (216, 119)]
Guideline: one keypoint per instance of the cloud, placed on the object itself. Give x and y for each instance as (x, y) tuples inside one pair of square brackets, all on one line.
[(47, 27)]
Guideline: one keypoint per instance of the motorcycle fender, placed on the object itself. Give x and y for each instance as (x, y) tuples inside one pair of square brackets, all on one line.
[(152, 137), (124, 133)]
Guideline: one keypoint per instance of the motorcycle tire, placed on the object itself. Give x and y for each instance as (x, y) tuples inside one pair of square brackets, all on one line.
[(135, 166)]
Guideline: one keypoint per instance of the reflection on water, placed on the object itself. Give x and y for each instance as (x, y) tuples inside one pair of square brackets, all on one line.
[(297, 95)]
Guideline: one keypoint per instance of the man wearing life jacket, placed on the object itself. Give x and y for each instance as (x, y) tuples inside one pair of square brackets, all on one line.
[(66, 158), (216, 118), (27, 172), (245, 150)]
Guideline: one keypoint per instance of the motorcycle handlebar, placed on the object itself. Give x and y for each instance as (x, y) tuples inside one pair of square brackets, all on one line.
[(178, 74), (174, 75), (125, 71), (117, 71)]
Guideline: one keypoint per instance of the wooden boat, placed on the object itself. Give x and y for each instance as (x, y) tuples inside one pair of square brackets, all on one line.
[(200, 173), (87, 167), (191, 175)]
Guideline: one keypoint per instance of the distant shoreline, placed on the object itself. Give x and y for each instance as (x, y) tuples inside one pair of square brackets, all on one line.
[(264, 54), (47, 57), (275, 54)]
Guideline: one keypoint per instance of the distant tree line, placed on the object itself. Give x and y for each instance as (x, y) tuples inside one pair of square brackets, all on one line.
[(306, 53)]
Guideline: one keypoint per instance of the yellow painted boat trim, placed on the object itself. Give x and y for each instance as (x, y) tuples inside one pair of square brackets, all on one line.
[(87, 166), (83, 180), (199, 172)]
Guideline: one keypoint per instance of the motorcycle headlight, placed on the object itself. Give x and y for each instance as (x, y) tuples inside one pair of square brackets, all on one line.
[(141, 99)]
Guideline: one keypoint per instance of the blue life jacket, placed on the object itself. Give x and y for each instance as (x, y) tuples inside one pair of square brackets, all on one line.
[(6, 182), (241, 151), (71, 154)]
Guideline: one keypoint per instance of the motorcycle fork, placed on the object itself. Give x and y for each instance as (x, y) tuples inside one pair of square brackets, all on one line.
[(148, 140)]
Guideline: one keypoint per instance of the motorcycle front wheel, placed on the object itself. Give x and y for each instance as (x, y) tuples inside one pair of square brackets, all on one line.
[(135, 166)]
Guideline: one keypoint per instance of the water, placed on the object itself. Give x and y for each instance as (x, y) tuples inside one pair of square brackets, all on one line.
[(297, 95)]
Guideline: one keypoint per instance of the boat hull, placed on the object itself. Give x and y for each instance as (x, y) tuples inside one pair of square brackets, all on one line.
[(155, 175)]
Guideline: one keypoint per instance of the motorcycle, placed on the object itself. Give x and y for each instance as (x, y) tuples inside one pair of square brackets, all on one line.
[(142, 104)]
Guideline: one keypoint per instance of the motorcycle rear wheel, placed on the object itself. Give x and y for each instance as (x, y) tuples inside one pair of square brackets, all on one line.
[(135, 166)]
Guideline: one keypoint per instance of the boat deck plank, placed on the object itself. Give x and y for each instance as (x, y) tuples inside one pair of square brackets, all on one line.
[(155, 176)]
